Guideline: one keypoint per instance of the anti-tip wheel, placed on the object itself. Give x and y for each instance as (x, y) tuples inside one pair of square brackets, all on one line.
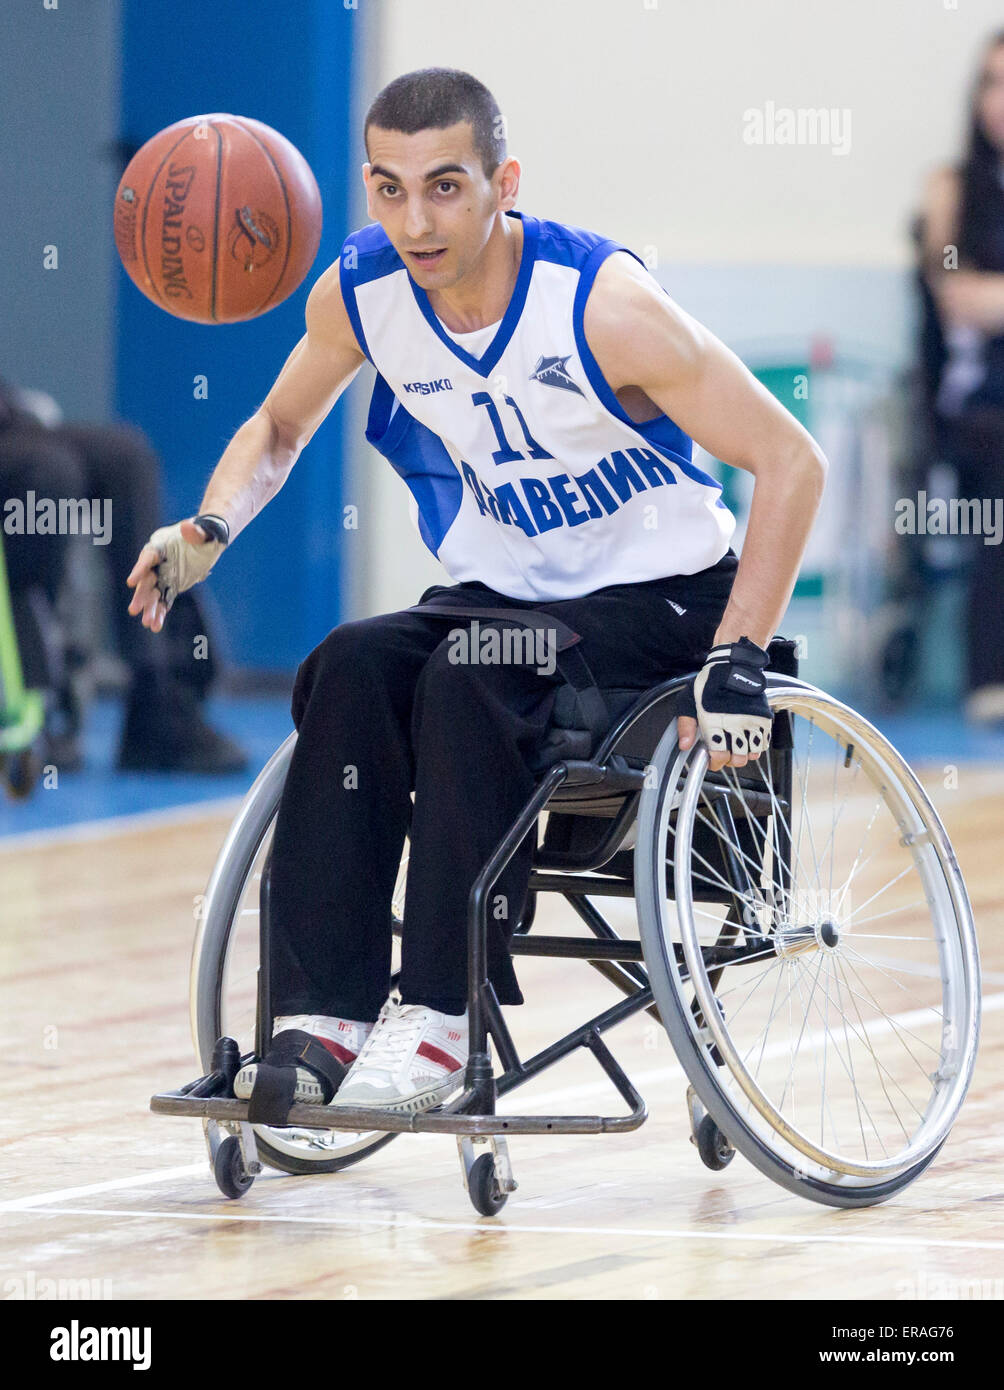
[(482, 1186), (715, 1150), (232, 1178)]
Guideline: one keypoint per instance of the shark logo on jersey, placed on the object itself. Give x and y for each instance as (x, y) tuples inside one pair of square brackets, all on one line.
[(552, 371)]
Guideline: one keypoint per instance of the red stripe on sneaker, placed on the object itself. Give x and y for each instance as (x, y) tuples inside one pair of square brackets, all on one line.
[(435, 1054), (341, 1054)]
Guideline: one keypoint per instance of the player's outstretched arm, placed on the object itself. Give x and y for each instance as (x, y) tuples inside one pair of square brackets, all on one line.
[(641, 338), (258, 459)]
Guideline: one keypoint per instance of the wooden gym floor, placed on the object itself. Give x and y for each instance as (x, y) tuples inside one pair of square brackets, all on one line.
[(116, 1202)]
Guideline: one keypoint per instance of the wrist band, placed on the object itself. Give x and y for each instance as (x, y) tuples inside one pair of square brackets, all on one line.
[(742, 650), (217, 527)]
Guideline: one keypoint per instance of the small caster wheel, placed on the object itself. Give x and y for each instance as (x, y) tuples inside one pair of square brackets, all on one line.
[(484, 1191), (232, 1178), (715, 1150)]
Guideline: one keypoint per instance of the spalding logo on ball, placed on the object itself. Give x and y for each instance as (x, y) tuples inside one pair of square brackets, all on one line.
[(218, 218)]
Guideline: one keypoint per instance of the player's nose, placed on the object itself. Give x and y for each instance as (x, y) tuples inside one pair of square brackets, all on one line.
[(417, 224)]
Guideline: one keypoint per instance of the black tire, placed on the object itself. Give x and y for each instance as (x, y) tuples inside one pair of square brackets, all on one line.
[(297, 1167), (232, 1178), (715, 1150), (482, 1186)]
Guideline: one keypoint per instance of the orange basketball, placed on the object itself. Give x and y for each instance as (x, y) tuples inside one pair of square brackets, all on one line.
[(218, 218)]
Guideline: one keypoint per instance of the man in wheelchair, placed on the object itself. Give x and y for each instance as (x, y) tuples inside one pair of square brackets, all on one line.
[(539, 392)]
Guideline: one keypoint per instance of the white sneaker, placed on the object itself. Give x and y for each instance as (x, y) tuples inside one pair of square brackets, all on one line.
[(414, 1059), (342, 1037)]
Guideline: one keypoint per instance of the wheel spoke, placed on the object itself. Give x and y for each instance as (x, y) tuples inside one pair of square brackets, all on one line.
[(929, 1007), (879, 1067)]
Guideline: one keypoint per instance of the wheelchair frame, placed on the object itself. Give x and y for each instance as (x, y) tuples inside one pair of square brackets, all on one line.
[(607, 785), (472, 1115)]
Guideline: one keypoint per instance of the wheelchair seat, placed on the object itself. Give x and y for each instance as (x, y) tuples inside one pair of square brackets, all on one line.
[(567, 738), (637, 721)]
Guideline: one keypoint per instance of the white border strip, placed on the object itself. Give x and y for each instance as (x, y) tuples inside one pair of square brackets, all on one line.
[(990, 1004), (504, 1228), (107, 827), (110, 1185)]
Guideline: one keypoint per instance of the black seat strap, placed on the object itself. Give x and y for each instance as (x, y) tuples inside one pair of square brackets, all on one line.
[(570, 662)]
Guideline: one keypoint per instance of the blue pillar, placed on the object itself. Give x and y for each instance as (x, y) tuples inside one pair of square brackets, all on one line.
[(291, 66)]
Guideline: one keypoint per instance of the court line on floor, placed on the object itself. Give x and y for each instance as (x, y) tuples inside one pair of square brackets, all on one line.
[(929, 972), (510, 1228), (109, 1185), (107, 827), (990, 1004)]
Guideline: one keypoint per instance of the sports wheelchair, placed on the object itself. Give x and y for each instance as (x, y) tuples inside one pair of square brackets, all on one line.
[(804, 937)]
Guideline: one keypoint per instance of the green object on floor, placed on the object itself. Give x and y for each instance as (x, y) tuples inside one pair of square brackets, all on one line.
[(22, 712)]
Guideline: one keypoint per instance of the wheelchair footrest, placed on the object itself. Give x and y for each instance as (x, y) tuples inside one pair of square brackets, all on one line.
[(361, 1120)]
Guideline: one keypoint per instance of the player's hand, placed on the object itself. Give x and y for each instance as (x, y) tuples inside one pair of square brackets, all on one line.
[(173, 559), (726, 704)]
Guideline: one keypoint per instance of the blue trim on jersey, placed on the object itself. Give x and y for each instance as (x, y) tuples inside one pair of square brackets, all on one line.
[(488, 360), (351, 307), (375, 257), (421, 459), (662, 433), (565, 245)]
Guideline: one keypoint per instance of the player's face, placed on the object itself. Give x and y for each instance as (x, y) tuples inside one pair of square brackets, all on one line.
[(991, 98), (430, 193)]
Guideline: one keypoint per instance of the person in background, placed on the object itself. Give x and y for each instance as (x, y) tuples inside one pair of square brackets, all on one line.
[(164, 727), (964, 351)]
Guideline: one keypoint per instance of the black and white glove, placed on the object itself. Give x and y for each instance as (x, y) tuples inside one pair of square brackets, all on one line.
[(728, 698), (183, 564)]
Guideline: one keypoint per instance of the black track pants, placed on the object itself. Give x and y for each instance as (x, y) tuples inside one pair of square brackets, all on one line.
[(382, 711)]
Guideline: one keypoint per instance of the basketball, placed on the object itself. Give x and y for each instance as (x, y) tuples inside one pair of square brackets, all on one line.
[(217, 218)]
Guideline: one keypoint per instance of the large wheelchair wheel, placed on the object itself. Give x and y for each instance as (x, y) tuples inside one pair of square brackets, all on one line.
[(225, 986), (811, 950)]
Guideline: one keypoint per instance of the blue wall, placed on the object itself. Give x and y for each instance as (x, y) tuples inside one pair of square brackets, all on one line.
[(290, 66), (58, 171)]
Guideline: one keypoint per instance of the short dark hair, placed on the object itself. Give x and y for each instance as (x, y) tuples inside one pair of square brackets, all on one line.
[(434, 98)]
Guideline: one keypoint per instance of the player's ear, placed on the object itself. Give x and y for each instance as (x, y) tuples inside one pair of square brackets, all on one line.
[(369, 189), (508, 176)]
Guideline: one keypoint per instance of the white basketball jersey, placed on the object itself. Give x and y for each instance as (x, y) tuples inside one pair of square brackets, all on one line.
[(525, 470)]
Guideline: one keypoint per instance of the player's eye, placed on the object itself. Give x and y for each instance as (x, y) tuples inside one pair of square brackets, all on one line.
[(388, 188), (446, 185)]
